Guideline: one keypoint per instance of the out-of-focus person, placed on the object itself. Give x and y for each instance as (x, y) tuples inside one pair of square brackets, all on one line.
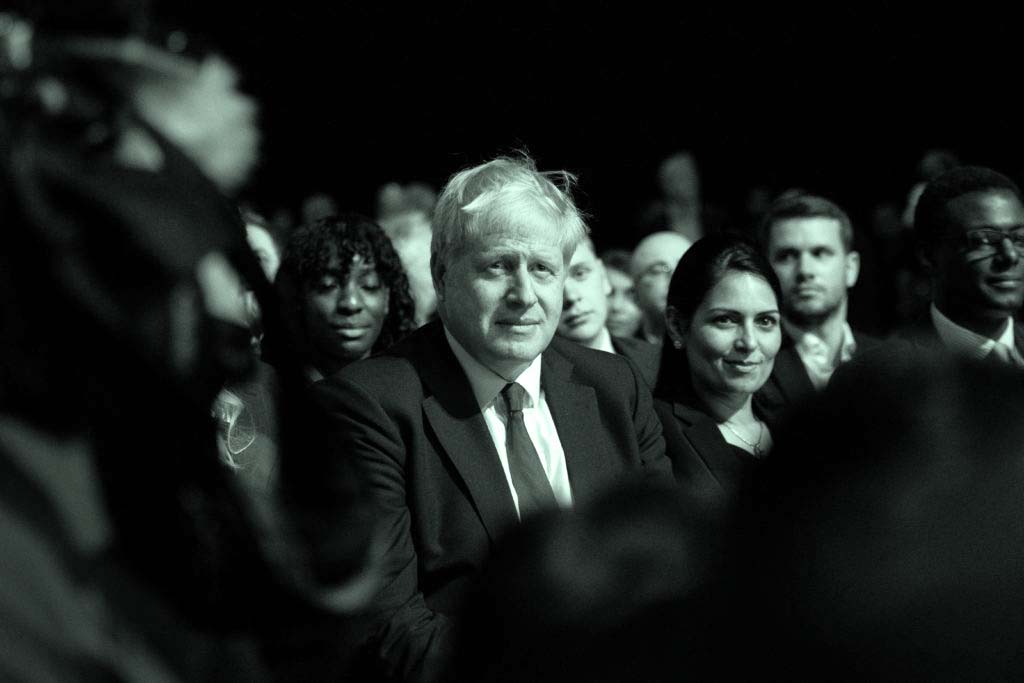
[(264, 245), (809, 242), (585, 313), (130, 553), (404, 212), (345, 292), (969, 226), (723, 331), (653, 262), (624, 315)]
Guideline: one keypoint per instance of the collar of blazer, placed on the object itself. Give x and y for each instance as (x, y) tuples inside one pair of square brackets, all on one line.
[(451, 410)]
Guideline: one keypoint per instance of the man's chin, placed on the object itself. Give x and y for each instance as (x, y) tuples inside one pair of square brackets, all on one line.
[(809, 317)]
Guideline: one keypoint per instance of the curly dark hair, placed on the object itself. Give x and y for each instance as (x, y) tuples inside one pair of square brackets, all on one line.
[(307, 256)]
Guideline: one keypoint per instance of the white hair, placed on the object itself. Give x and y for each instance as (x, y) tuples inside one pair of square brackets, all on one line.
[(497, 195)]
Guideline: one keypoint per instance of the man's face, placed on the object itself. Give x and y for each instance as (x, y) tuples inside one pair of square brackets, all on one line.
[(654, 262), (981, 283), (501, 294), (623, 313), (813, 267), (585, 307)]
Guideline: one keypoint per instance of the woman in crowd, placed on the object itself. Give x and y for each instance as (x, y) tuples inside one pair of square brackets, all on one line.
[(720, 343), (624, 315), (343, 291)]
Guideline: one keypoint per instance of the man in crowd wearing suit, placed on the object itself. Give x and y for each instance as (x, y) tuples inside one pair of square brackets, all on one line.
[(809, 242), (969, 226), (481, 419), (585, 313)]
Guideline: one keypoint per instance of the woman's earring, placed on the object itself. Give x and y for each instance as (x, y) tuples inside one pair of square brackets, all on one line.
[(678, 343)]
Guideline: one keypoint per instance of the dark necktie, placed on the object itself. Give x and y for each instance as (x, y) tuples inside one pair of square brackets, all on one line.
[(528, 477)]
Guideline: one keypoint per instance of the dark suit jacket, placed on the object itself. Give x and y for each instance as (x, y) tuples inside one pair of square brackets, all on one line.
[(922, 334), (710, 470), (409, 417), (789, 385), (646, 356)]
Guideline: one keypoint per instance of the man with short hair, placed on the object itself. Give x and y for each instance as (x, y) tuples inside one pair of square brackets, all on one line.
[(809, 242), (654, 260), (969, 226), (585, 313), (480, 419)]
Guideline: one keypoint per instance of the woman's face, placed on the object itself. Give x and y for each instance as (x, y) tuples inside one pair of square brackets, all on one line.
[(344, 312), (734, 335)]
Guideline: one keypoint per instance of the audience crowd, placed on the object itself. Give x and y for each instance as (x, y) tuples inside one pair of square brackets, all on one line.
[(461, 439)]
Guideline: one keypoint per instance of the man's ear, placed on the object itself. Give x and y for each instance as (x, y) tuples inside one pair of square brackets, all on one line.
[(676, 326), (852, 268)]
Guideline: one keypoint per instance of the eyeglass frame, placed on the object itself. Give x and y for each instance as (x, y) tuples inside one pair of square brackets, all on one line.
[(989, 246)]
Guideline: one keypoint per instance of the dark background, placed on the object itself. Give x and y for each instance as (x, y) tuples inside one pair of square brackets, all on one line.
[(839, 101)]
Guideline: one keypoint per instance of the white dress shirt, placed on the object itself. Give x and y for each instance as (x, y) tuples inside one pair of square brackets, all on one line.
[(604, 341), (487, 386), (970, 344), (818, 360)]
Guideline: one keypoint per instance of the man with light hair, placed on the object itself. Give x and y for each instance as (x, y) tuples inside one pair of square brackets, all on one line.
[(585, 313), (481, 419)]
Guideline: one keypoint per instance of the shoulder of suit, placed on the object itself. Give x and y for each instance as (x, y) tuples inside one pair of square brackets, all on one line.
[(587, 359), (396, 367)]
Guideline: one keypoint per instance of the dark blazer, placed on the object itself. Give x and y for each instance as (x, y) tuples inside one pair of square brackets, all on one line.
[(789, 385), (410, 419), (709, 469), (646, 356), (922, 334)]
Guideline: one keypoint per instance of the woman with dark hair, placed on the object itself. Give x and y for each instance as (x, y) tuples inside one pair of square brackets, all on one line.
[(722, 334), (344, 292)]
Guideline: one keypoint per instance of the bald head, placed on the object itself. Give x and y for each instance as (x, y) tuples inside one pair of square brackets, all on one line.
[(654, 260)]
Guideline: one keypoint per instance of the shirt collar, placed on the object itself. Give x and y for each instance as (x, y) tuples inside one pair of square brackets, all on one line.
[(810, 344), (604, 341), (966, 342), (487, 384)]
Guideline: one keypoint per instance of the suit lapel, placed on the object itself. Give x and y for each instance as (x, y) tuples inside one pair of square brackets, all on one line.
[(791, 375), (704, 436), (574, 409), (452, 412)]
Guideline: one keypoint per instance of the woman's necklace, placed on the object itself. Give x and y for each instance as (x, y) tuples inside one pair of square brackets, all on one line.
[(756, 446)]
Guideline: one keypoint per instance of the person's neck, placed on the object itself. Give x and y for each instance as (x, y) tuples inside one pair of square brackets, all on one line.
[(990, 327), (736, 408), (602, 341), (653, 331), (829, 329)]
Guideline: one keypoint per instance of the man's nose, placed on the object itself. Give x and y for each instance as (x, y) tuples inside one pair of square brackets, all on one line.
[(1007, 252), (805, 266), (520, 289), (571, 293)]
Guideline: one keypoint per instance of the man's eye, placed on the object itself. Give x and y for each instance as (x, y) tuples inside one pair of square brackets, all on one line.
[(326, 284)]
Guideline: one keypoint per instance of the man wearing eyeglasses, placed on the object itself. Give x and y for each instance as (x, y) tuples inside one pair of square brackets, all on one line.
[(969, 225), (654, 260)]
